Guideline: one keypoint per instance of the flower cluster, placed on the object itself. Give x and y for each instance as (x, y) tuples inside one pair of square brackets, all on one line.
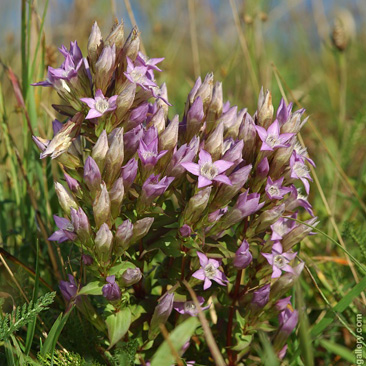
[(212, 197)]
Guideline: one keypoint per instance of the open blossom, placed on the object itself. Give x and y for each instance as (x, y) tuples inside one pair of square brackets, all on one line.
[(188, 307), (279, 260), (209, 271), (299, 170), (208, 171), (296, 199), (66, 232), (99, 105), (282, 227), (148, 149), (275, 190), (139, 75), (272, 138), (69, 288)]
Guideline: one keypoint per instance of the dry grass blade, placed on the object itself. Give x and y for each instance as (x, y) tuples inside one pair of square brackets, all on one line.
[(215, 352), (194, 43), (165, 333)]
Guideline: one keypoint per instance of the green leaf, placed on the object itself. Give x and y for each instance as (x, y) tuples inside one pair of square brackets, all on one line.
[(120, 268), (118, 324), (51, 340), (178, 338), (338, 349), (92, 288), (339, 308)]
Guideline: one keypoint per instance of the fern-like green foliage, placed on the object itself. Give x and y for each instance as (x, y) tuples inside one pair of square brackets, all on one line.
[(22, 315), (124, 354), (65, 358), (356, 233)]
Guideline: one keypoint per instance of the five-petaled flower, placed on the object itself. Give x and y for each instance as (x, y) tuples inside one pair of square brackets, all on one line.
[(208, 171), (209, 271), (188, 307), (272, 138), (100, 104), (275, 190), (279, 260)]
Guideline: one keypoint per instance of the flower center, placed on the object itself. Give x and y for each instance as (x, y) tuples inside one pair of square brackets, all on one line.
[(208, 171), (148, 154), (301, 169), (101, 105), (274, 191), (210, 271), (271, 140), (190, 307), (69, 227), (279, 261)]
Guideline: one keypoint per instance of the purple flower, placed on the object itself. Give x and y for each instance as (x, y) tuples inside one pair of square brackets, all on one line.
[(302, 154), (263, 168), (275, 190), (279, 260), (207, 171), (288, 321), (139, 75), (283, 112), (185, 231), (148, 149), (248, 204), (150, 63), (300, 171), (209, 271), (87, 259), (272, 138), (72, 183), (296, 199), (92, 176), (153, 187), (100, 104), (69, 288), (261, 296), (129, 172), (188, 307), (282, 227), (131, 141), (283, 303), (66, 232), (243, 257), (111, 291), (131, 276), (161, 314)]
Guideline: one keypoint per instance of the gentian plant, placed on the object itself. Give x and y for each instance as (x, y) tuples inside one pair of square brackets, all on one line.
[(161, 207)]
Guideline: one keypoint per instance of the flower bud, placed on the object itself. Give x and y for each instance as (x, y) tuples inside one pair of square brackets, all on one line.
[(161, 314), (87, 259), (265, 219), (136, 116), (215, 107), (92, 177), (132, 45), (265, 109), (125, 100), (214, 143), (158, 121), (243, 257), (104, 68), (261, 296), (196, 205), (95, 40), (102, 206), (248, 134), (129, 172), (116, 194), (65, 199), (205, 90), (114, 158), (103, 244), (130, 276), (192, 94), (169, 137), (195, 117), (72, 183), (100, 150), (226, 193), (262, 169), (132, 141), (185, 231), (161, 102), (81, 224), (123, 237), (116, 36), (111, 290), (141, 228)]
